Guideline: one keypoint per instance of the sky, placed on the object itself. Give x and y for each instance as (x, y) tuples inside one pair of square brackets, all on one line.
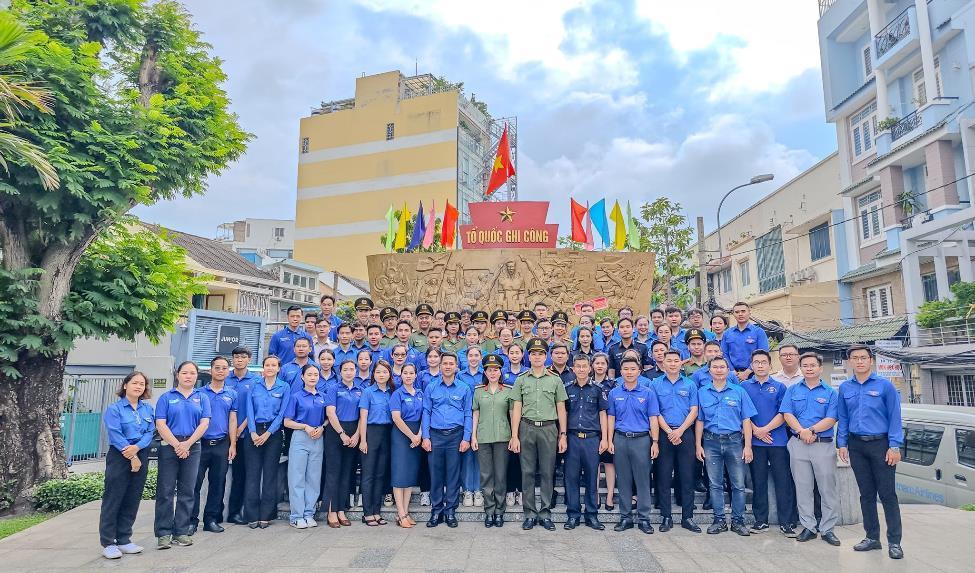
[(628, 100)]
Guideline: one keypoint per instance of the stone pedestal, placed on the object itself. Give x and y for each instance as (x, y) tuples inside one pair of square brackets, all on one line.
[(847, 491)]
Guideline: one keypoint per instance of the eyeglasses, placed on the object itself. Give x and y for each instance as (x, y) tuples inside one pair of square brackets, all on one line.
[(788, 354)]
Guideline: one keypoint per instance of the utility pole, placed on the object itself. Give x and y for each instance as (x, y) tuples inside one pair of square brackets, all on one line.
[(702, 273)]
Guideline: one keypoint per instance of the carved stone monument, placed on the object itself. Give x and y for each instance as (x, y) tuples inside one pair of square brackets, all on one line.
[(511, 279)]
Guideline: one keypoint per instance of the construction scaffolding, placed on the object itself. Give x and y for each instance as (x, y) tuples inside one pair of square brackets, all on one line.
[(509, 191)]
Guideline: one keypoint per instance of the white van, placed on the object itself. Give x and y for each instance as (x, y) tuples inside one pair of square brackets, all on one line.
[(938, 456)]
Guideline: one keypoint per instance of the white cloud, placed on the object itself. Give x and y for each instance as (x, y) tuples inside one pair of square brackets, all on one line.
[(768, 42)]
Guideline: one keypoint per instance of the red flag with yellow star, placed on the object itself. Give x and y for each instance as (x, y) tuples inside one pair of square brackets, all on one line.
[(503, 167)]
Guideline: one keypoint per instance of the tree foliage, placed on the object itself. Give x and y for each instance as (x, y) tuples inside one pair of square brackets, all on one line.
[(435, 247), (936, 312), (665, 232)]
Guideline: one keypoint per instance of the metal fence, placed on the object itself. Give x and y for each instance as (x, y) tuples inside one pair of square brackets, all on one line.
[(85, 399)]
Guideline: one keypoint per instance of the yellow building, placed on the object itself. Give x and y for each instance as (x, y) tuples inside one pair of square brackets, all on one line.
[(400, 139)]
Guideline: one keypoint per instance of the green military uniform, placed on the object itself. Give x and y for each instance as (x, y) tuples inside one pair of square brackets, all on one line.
[(538, 433), (419, 341), (389, 338), (691, 367), (493, 434), (457, 345), (490, 345)]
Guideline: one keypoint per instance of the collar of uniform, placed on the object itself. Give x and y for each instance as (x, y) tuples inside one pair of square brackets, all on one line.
[(636, 386), (754, 380), (819, 384), (871, 378), (209, 387), (576, 382), (305, 390), (667, 378), (748, 326), (727, 386)]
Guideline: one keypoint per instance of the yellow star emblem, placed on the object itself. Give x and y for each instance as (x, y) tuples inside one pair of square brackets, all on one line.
[(507, 214), (497, 163)]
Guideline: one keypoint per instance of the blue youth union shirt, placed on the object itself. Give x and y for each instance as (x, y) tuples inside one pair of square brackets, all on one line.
[(632, 408), (869, 409), (182, 413), (306, 407), (222, 403), (126, 425), (724, 411), (409, 406), (266, 405), (738, 345), (675, 398), (345, 399), (810, 405), (767, 397), (376, 403)]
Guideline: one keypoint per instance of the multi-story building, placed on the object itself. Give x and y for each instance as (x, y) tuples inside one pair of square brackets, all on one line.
[(783, 255), (259, 239), (897, 79), (399, 140)]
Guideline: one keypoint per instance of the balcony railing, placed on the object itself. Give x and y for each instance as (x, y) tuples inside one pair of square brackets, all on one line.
[(824, 6), (897, 30), (952, 331), (907, 124)]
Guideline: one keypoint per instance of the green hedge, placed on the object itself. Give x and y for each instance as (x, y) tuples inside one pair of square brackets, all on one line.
[(64, 494)]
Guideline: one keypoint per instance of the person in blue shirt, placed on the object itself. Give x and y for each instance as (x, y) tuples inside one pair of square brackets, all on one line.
[(341, 442), (626, 342), (359, 335), (344, 349), (509, 374), (363, 371), (182, 417), (702, 376), (738, 343), (810, 409), (471, 374), (406, 409), (719, 324), (516, 365), (326, 370), (446, 428), (674, 318), (327, 306), (265, 413), (240, 379), (678, 400), (218, 447), (374, 339), (870, 435), (606, 335), (129, 424), (291, 371), (634, 431), (283, 341), (724, 441), (431, 374), (644, 335), (375, 426), (655, 367), (769, 440), (588, 437), (305, 414), (695, 318), (600, 377)]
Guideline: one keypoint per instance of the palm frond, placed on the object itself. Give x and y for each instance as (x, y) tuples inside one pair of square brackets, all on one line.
[(15, 146)]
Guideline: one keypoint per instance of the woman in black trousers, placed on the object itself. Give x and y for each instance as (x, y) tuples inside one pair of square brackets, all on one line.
[(375, 423), (182, 417), (265, 415), (129, 424), (341, 440)]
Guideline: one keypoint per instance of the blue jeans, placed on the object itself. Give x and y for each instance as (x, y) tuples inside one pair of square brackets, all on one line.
[(471, 472), (724, 451), (304, 474)]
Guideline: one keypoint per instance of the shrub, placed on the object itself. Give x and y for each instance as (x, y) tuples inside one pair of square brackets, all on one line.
[(63, 494)]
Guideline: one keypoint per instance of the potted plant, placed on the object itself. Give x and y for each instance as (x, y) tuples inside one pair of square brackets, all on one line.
[(887, 124)]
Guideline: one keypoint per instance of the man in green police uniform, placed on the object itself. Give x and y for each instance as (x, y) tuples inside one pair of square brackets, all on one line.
[(424, 321), (539, 403), (479, 319), (526, 322), (499, 320), (363, 306), (453, 343), (389, 316)]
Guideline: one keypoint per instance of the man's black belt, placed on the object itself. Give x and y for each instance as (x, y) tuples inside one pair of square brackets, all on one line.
[(632, 434), (446, 431), (869, 437), (540, 424), (820, 439), (214, 442), (584, 434)]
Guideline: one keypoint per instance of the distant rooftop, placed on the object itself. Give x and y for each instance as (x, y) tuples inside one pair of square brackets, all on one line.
[(214, 255)]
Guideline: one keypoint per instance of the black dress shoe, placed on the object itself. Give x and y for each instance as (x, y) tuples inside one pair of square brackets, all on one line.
[(806, 535), (717, 527), (488, 521), (868, 545), (213, 527), (499, 520), (707, 506), (547, 524), (895, 551), (666, 525), (192, 530), (593, 522), (451, 520), (624, 524), (571, 523), (739, 528), (700, 487), (831, 538), (645, 526), (529, 523), (237, 519), (435, 519), (689, 525)]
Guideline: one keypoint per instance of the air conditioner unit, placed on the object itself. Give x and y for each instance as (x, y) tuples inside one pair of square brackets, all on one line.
[(803, 275)]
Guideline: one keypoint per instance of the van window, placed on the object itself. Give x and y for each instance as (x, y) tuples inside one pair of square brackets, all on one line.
[(921, 443), (965, 442)]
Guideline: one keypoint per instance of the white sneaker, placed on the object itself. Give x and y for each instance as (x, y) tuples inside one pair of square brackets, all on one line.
[(425, 498), (299, 524), (468, 499), (111, 552), (388, 500), (351, 500), (358, 500), (478, 499), (519, 498), (130, 549), (509, 499), (310, 522)]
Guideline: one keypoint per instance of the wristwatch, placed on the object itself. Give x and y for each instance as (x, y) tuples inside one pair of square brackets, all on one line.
[(562, 434)]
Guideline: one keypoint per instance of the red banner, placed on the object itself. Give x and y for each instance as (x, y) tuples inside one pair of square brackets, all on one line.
[(597, 303), (509, 225)]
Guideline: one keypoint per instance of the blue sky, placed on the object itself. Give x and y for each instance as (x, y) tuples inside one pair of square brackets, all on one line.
[(630, 100)]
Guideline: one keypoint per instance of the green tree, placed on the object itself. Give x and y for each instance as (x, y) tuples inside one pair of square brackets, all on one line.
[(665, 232), (565, 242), (936, 312), (436, 247), (139, 115)]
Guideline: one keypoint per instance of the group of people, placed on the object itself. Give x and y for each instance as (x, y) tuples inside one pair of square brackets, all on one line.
[(484, 410)]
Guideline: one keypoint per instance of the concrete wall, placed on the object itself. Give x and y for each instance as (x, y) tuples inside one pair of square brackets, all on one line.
[(119, 357), (860, 310)]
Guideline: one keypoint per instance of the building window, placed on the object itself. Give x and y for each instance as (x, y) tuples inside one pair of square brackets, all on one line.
[(870, 208), (863, 129), (279, 232), (921, 443), (304, 282), (294, 280), (724, 280), (390, 131), (920, 92), (965, 444), (929, 283), (867, 62), (879, 302), (770, 261), (287, 277), (819, 242), (961, 390), (743, 274), (304, 145)]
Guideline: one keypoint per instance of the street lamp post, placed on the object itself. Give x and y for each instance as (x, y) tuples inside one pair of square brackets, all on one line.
[(756, 179)]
